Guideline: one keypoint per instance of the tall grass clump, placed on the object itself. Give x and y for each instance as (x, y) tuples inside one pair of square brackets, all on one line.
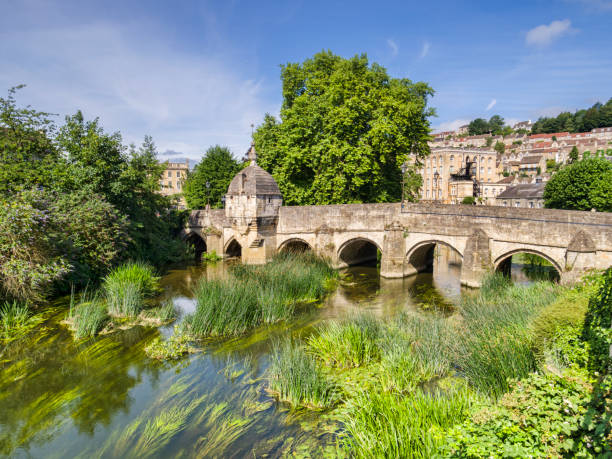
[(294, 375), (494, 340), (348, 343), (88, 316), (255, 295), (414, 349), (383, 424), (15, 320), (127, 286)]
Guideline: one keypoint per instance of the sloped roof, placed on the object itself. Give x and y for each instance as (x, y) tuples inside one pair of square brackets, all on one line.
[(253, 181), (523, 191)]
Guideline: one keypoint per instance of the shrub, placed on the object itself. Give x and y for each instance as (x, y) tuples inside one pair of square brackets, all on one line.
[(469, 200), (349, 343), (598, 326), (536, 419), (294, 375)]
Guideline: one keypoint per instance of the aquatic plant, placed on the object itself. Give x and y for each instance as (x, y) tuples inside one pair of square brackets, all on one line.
[(294, 375), (256, 295), (165, 313), (176, 346), (127, 286), (16, 320), (211, 256), (383, 424), (88, 316), (348, 343)]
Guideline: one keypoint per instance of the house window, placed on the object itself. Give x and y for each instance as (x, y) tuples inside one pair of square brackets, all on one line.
[(517, 203), (452, 168), (531, 204), (178, 173), (169, 174), (452, 157)]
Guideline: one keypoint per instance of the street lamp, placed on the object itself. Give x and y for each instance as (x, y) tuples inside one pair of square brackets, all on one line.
[(436, 178), (403, 180), (207, 195)]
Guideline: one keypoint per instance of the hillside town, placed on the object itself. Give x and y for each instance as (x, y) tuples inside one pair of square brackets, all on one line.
[(499, 170)]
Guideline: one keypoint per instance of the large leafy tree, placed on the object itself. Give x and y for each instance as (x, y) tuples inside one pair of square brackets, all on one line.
[(345, 128), (582, 185), (599, 115), (218, 167)]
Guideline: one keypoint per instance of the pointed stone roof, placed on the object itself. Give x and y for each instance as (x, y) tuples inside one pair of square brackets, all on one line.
[(253, 180)]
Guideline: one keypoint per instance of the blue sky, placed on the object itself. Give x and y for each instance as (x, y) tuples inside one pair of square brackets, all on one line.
[(195, 73)]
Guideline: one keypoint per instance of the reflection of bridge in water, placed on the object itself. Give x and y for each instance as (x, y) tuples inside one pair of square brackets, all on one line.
[(254, 226)]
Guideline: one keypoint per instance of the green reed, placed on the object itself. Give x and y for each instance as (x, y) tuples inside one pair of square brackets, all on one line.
[(295, 376), (348, 343), (127, 287), (255, 295), (87, 316), (383, 424), (16, 320)]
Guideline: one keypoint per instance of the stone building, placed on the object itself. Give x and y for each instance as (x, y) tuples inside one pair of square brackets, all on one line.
[(172, 179), (528, 195), (442, 162)]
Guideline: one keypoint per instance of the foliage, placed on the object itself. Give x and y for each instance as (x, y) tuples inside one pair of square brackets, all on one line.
[(500, 147), (468, 200), (173, 348), (598, 326), (255, 295), (381, 424), (211, 256), (295, 377), (28, 156), (573, 154), (599, 115), (15, 321), (347, 344), (30, 261), (88, 316), (127, 286), (536, 419), (582, 185), (480, 126), (218, 167), (345, 129)]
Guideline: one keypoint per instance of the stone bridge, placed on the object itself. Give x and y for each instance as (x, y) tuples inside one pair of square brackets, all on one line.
[(404, 238)]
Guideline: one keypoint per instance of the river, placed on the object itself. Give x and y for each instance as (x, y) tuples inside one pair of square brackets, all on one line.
[(105, 398)]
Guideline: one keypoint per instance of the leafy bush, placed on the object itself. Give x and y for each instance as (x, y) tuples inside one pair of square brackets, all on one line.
[(536, 419), (598, 326), (294, 375), (349, 343), (469, 200)]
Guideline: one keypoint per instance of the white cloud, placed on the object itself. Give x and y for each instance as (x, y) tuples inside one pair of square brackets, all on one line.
[(544, 35), (394, 47), (451, 125), (491, 104), (425, 49), (186, 101)]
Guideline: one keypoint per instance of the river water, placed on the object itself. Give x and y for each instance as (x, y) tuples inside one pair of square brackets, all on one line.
[(105, 398)]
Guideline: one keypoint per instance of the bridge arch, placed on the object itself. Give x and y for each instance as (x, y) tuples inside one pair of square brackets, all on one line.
[(198, 242), (233, 249), (358, 250), (503, 263), (295, 244), (420, 257)]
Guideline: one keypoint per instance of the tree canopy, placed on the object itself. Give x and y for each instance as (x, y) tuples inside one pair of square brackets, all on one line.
[(345, 128), (581, 185), (599, 115), (480, 126), (218, 167)]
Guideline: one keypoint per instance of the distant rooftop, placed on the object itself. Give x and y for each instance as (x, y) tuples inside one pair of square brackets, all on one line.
[(523, 191)]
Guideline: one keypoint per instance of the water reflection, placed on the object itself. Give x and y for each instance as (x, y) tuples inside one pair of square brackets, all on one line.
[(104, 397)]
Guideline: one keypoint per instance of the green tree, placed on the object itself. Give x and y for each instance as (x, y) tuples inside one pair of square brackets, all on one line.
[(496, 125), (489, 141), (345, 128), (218, 167), (478, 126), (28, 156), (582, 185), (500, 147), (573, 155)]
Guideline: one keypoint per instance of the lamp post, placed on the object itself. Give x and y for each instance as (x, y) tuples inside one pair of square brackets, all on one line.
[(403, 168), (436, 178), (207, 195)]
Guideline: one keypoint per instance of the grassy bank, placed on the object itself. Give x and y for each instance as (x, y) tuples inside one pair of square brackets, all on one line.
[(420, 385), (255, 295)]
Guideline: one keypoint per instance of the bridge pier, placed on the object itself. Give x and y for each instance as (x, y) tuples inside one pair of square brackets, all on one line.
[(392, 262), (476, 259)]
